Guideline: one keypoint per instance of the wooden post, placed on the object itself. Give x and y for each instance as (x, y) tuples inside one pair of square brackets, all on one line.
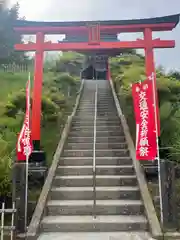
[(37, 92)]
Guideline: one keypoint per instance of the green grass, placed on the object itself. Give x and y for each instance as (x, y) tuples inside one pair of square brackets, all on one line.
[(12, 84)]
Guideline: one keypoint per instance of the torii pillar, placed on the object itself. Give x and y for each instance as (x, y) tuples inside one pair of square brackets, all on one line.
[(150, 68), (37, 92)]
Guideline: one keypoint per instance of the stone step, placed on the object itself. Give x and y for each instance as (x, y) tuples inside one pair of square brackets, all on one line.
[(86, 207), (86, 113), (99, 118), (100, 140), (109, 107), (99, 153), (88, 102), (105, 97), (98, 123), (92, 110), (70, 202), (100, 170), (100, 106), (90, 114), (89, 223), (101, 180), (106, 100), (105, 145), (98, 128), (79, 161), (88, 133), (102, 193), (141, 235)]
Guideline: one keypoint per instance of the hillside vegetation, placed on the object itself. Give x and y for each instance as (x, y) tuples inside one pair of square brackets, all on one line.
[(129, 69), (59, 93)]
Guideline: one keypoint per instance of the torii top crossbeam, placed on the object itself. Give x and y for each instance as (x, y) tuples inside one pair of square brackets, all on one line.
[(116, 26), (94, 30), (90, 36)]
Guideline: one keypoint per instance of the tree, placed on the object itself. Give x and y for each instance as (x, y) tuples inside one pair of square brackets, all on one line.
[(8, 37), (69, 62)]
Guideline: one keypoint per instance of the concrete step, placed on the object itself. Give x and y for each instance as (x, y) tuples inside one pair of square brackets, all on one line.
[(103, 207), (99, 114), (100, 170), (141, 235), (88, 133), (102, 193), (100, 140), (100, 107), (98, 123), (99, 118), (105, 145), (99, 153), (79, 161), (101, 180), (89, 223), (86, 113), (109, 107), (105, 97), (98, 128), (99, 111)]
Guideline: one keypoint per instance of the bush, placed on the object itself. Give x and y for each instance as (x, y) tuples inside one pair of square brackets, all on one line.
[(16, 102), (69, 62), (55, 104), (169, 100)]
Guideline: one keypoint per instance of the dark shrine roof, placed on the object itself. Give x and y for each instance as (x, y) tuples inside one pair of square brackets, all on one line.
[(166, 19)]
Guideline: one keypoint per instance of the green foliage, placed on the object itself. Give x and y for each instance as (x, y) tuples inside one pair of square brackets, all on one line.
[(15, 104), (129, 69), (69, 62), (55, 103), (49, 110), (65, 79), (5, 181), (66, 83), (8, 37)]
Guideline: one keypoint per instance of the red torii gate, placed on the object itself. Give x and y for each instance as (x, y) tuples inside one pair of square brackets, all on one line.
[(93, 30)]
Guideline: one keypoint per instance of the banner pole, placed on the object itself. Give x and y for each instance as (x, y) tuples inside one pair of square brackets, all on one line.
[(26, 194), (27, 162), (151, 78)]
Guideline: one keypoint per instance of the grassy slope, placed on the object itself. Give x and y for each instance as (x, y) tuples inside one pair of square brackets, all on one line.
[(11, 83), (14, 82)]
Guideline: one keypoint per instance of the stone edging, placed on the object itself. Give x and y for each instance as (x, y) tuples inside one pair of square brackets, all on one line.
[(172, 235), (39, 210), (147, 200)]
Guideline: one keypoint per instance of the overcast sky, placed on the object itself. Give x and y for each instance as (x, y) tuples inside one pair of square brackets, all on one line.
[(67, 10)]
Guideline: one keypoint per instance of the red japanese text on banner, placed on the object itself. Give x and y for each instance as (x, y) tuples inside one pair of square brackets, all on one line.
[(24, 143), (146, 145), (135, 89)]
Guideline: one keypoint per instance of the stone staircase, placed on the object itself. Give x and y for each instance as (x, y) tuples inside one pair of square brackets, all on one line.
[(119, 209)]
